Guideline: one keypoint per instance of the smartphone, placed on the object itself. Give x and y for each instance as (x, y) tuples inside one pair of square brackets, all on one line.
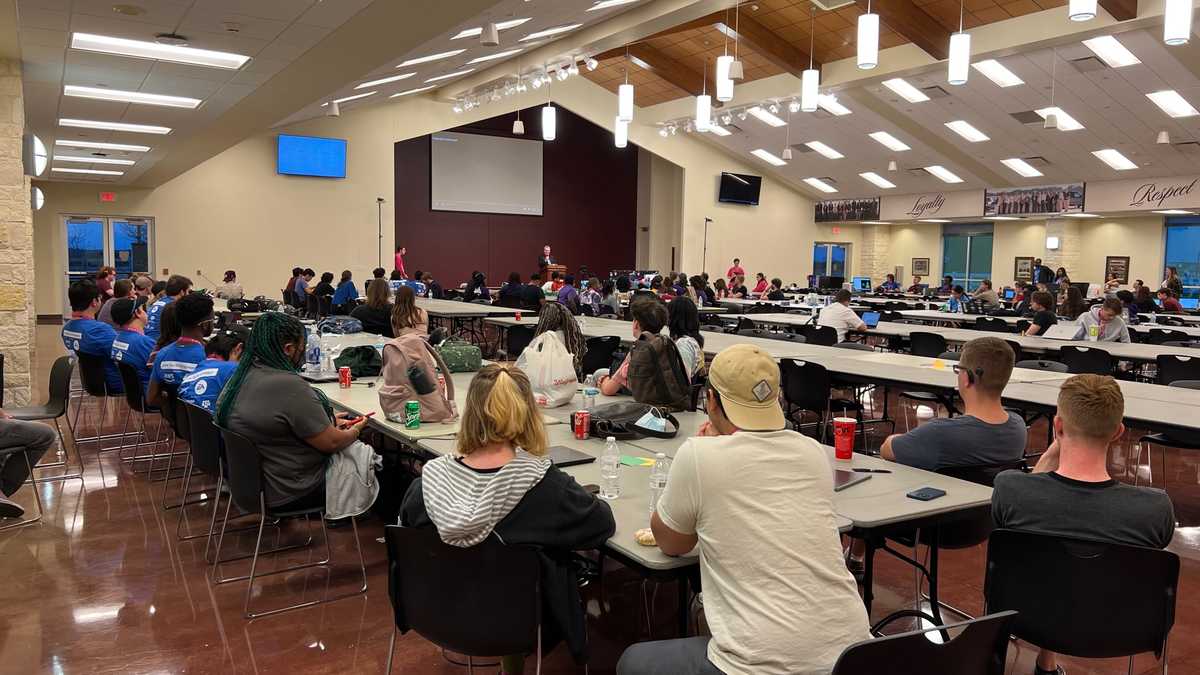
[(926, 494)]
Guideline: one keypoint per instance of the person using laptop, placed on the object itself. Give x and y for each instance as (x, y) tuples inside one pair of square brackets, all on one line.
[(917, 287), (1043, 314), (987, 296), (1105, 321), (840, 317), (1168, 301), (889, 284)]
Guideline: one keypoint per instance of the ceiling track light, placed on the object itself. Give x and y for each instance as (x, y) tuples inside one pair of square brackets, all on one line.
[(591, 63), (490, 37)]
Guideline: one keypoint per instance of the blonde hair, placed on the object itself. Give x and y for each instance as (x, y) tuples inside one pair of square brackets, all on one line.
[(500, 409), (1091, 406)]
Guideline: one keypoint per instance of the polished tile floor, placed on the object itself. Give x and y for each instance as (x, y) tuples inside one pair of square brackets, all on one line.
[(102, 585)]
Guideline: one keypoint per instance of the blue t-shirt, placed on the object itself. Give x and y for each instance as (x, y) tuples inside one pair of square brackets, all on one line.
[(176, 360), (133, 348), (95, 338), (154, 316), (202, 386), (345, 294)]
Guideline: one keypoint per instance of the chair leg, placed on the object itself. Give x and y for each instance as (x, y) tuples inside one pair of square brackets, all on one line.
[(254, 560), (391, 650), (37, 498)]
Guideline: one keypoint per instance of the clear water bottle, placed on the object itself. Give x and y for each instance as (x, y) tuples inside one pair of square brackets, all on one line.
[(610, 470), (590, 392), (312, 352), (658, 479)]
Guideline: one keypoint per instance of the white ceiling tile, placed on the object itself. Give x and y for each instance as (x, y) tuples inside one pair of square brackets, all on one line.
[(157, 12), (332, 14), (249, 26), (43, 37), (43, 18)]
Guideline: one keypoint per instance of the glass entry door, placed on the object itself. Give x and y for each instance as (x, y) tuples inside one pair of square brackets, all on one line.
[(829, 260), (967, 254), (126, 244)]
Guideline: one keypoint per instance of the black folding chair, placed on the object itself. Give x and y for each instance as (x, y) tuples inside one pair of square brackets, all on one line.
[(979, 647), (932, 345), (1087, 360), (808, 387), (992, 324), (55, 409), (24, 452), (517, 338), (135, 398), (599, 353), (1157, 336), (826, 336), (1173, 367), (95, 384)]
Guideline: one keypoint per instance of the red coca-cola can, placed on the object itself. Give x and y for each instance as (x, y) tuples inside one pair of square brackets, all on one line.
[(582, 420), (344, 377), (518, 315)]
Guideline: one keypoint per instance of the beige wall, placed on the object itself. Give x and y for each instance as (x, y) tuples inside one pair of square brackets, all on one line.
[(915, 240)]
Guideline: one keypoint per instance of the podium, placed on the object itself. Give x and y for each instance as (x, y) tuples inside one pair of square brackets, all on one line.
[(549, 269)]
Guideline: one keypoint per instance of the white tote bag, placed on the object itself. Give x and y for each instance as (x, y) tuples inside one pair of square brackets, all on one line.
[(551, 370)]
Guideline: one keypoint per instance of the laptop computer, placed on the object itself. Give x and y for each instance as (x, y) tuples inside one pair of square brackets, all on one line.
[(1010, 293), (562, 456), (871, 319), (1063, 330), (1190, 303), (844, 479)]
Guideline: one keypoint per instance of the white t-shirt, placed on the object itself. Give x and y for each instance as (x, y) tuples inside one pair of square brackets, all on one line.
[(840, 317), (691, 353), (777, 596)]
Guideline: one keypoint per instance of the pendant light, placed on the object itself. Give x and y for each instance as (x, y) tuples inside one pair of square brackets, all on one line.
[(518, 128), (1081, 10), (1177, 22), (736, 72), (1051, 117), (620, 133), (721, 76), (810, 80), (704, 104), (625, 95), (959, 65), (868, 39), (787, 143), (549, 118)]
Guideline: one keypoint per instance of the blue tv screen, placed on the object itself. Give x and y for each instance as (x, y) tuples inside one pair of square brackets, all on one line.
[(312, 156)]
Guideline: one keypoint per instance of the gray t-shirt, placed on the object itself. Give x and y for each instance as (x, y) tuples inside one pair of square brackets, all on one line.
[(1110, 511), (961, 441), (278, 410), (989, 298)]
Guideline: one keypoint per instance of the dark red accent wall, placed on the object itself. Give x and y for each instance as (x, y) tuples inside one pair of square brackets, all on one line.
[(589, 203)]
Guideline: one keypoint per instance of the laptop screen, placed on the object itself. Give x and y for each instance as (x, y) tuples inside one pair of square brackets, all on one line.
[(1190, 303), (871, 319), (1009, 294)]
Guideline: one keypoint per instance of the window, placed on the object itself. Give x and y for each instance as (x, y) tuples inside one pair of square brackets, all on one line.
[(829, 260), (127, 244), (1183, 253), (967, 254)]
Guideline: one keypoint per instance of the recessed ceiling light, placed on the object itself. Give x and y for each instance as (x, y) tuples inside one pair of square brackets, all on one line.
[(346, 99), (1081, 215), (766, 116), (718, 130), (1002, 218), (153, 50), (431, 57), (605, 4), (877, 180), (447, 76), (1022, 167), (820, 185), (478, 30), (497, 55), (824, 150), (768, 157), (385, 80), (876, 222), (964, 129), (93, 160), (1170, 102), (96, 145), (93, 172), (1114, 159), (551, 31), (1175, 212), (1111, 51), (889, 141), (943, 174), (997, 73), (830, 104), (933, 220), (414, 91), (905, 90), (130, 97), (115, 126), (1065, 121)]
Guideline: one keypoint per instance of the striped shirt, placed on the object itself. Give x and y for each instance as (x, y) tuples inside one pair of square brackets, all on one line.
[(466, 504)]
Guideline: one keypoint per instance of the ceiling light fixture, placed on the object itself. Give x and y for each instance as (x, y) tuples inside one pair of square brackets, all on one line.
[(549, 118), (876, 222), (94, 160), (115, 126), (787, 142), (335, 110), (736, 71), (355, 97), (557, 30), (820, 185), (830, 104), (959, 66), (138, 97), (93, 172), (1163, 138), (889, 141), (868, 39), (1001, 218), (877, 180), (493, 57), (934, 220), (621, 133), (160, 52), (905, 90), (765, 116), (964, 129), (824, 150), (1111, 51), (490, 36), (96, 145), (704, 102), (431, 57), (447, 76), (385, 80), (997, 73), (1175, 212), (1177, 22), (768, 157), (892, 165), (943, 174), (591, 63), (1021, 167), (478, 30), (1064, 121), (810, 79), (719, 131), (625, 100), (724, 83), (1081, 10), (1081, 215), (1114, 159), (1170, 102), (413, 91), (605, 4)]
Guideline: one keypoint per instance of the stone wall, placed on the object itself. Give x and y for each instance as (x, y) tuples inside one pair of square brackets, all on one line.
[(874, 256), (1069, 245), (17, 316)]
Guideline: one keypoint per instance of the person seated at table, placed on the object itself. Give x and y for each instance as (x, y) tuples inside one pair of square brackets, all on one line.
[(202, 386), (1168, 302), (704, 294), (1042, 305), (720, 290), (774, 291), (556, 317), (376, 313), (679, 285), (83, 334), (131, 346), (290, 285), (433, 289), (610, 299), (917, 287), (552, 285), (947, 285), (176, 287), (889, 284), (1129, 307), (345, 297), (1112, 284), (1144, 301), (174, 361), (511, 290), (477, 288), (168, 333), (377, 273), (122, 288), (230, 289), (1061, 277), (624, 289), (649, 316), (303, 287), (532, 295), (958, 300), (987, 296), (1070, 492), (568, 295), (760, 283), (1106, 320), (738, 288), (157, 290), (142, 286), (683, 323), (1022, 295), (18, 437), (840, 317), (291, 423), (499, 482), (1073, 306), (590, 296), (757, 498), (324, 288), (406, 316)]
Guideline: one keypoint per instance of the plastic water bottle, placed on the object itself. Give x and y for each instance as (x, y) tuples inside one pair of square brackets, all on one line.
[(658, 479), (590, 392), (610, 470), (312, 352)]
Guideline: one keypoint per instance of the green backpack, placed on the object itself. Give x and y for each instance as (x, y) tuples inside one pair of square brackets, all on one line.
[(460, 356), (363, 361)]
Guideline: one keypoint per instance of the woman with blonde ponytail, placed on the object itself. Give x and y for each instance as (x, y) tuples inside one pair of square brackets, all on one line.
[(500, 482)]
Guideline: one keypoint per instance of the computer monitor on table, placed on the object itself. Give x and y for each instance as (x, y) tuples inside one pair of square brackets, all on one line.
[(1010, 293), (1190, 303), (831, 282), (1082, 286), (861, 285)]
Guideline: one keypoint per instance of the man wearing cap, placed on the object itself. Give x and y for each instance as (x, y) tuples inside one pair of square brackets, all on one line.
[(758, 499), (131, 346)]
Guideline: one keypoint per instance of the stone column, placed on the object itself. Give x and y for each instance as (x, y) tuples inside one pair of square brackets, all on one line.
[(874, 256), (1069, 243), (17, 315)]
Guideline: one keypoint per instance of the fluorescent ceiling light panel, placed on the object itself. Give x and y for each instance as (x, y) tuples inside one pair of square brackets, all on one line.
[(478, 30), (1170, 102), (447, 76), (943, 174), (557, 30), (820, 185), (114, 126), (964, 129), (93, 160), (414, 91), (876, 222), (905, 90), (1111, 51), (1081, 215), (1175, 212), (120, 96), (1114, 159), (346, 99), (997, 73), (824, 150), (718, 130), (385, 80), (1065, 121), (877, 180), (431, 57), (765, 116), (1001, 218), (1021, 167), (830, 104), (768, 157), (96, 145), (497, 55), (933, 220), (91, 172), (152, 50), (889, 141), (605, 4)]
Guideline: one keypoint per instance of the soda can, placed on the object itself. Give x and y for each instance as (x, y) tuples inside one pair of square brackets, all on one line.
[(518, 315), (582, 420), (344, 377), (412, 415), (442, 383)]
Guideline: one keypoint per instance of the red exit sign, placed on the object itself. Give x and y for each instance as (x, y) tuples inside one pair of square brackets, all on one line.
[(836, 229), (108, 197)]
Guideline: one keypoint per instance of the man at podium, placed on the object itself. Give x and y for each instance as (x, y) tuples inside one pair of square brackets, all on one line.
[(545, 259)]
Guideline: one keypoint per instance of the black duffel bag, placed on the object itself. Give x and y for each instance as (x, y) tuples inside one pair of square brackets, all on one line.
[(620, 420)]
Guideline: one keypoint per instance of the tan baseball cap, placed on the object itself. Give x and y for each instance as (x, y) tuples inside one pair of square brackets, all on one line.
[(747, 378)]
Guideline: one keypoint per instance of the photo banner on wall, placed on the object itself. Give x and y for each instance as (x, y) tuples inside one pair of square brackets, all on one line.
[(1033, 201), (846, 210), (962, 204), (1144, 194)]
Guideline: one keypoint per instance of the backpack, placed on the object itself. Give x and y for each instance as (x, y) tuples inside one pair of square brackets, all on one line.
[(410, 372), (461, 356), (243, 306), (363, 361), (339, 325), (656, 373), (620, 420)]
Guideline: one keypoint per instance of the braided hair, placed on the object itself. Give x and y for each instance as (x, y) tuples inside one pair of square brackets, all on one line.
[(555, 316), (264, 349)]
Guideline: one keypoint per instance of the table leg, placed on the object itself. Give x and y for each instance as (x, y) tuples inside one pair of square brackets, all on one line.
[(684, 604), (869, 574), (933, 544)]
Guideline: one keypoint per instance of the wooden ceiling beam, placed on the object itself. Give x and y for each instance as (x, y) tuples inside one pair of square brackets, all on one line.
[(768, 44), (670, 70), (914, 24), (702, 22), (1121, 10)]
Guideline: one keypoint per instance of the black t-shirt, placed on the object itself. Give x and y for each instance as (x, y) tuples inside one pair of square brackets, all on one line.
[(377, 321), (776, 295), (739, 290), (323, 289), (1044, 319), (532, 296)]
